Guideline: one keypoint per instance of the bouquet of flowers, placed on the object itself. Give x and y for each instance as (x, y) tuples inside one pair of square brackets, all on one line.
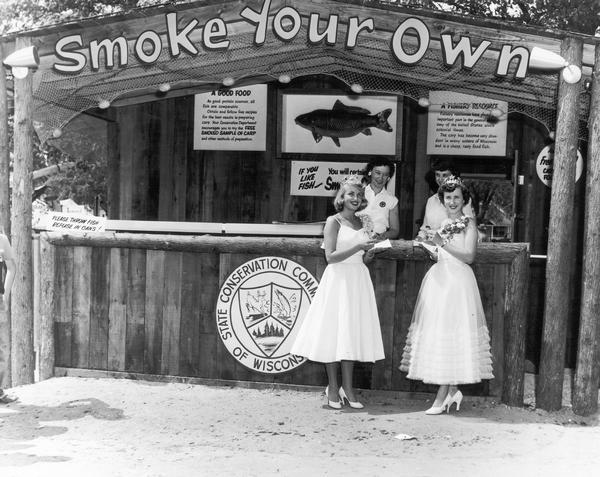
[(367, 223), (452, 227)]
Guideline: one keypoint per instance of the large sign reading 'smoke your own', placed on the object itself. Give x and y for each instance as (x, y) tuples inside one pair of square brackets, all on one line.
[(185, 35)]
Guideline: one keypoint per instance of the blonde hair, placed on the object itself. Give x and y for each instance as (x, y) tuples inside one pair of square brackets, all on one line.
[(338, 202)]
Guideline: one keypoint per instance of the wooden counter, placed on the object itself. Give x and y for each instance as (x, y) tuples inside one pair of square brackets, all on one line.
[(144, 303)]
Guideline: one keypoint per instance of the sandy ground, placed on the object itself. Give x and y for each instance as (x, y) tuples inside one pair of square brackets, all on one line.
[(116, 427)]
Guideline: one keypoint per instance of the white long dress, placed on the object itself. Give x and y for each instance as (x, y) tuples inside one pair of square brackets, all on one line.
[(448, 340), (342, 322)]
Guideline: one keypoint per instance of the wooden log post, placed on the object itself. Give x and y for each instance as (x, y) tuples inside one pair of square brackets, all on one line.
[(4, 216), (560, 233), (22, 353), (587, 370), (515, 324), (47, 309)]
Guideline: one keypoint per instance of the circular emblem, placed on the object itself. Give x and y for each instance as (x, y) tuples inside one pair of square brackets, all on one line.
[(382, 204), (260, 307), (544, 165)]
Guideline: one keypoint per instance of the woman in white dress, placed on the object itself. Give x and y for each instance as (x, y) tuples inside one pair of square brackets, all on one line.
[(448, 341), (342, 324), (7, 255)]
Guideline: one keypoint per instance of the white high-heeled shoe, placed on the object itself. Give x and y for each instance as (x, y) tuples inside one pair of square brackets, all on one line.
[(455, 398), (352, 404), (330, 403), (434, 410)]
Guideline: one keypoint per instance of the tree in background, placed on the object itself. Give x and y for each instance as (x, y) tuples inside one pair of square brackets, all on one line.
[(579, 16)]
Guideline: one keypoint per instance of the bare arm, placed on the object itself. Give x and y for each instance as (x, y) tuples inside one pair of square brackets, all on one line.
[(330, 234), (8, 256)]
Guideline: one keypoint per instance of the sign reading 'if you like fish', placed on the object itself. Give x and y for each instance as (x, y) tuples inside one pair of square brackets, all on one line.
[(185, 35), (322, 178)]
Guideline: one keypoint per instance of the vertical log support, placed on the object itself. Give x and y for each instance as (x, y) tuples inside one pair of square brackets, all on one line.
[(515, 324), (587, 372), (22, 354), (560, 232), (4, 216), (47, 309)]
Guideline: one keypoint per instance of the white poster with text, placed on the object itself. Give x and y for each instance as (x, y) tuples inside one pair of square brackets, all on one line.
[(465, 125), (231, 119), (321, 178), (324, 178)]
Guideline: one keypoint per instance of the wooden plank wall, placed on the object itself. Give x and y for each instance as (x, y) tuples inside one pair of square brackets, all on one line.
[(158, 176), (153, 311)]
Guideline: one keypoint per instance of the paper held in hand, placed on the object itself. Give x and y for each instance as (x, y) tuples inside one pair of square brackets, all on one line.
[(383, 244), (429, 246)]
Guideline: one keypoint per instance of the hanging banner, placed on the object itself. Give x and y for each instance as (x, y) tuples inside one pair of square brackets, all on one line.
[(231, 119), (465, 125)]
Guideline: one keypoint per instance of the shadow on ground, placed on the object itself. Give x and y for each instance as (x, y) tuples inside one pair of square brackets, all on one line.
[(20, 423)]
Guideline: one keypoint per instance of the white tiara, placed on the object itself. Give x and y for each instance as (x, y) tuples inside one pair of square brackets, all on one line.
[(352, 180), (452, 181)]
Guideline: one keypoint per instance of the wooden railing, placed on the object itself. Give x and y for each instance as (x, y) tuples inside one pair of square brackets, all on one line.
[(143, 303)]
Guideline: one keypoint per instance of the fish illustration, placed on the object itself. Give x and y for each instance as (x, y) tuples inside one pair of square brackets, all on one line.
[(343, 121)]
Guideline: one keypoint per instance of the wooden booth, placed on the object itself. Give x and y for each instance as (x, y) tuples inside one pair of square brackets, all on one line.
[(200, 113)]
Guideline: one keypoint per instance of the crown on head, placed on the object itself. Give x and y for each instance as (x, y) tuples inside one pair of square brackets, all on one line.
[(452, 181), (352, 180)]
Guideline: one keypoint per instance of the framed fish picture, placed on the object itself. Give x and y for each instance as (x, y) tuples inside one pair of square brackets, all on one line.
[(338, 124)]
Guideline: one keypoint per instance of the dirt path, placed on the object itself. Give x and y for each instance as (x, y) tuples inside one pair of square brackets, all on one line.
[(116, 427)]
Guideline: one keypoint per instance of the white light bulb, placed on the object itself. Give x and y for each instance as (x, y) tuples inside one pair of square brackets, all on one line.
[(356, 88), (285, 79), (163, 88), (571, 74), (104, 104), (229, 81), (57, 133), (424, 102)]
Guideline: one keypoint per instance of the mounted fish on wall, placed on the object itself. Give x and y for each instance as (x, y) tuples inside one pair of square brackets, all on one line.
[(334, 124)]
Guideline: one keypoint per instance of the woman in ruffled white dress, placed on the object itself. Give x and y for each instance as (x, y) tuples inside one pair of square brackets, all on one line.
[(342, 323), (448, 340)]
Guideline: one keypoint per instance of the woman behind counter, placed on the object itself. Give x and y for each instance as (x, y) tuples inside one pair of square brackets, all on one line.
[(382, 205)]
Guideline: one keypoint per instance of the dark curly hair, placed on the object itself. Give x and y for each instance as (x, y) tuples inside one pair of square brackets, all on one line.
[(377, 161), (444, 164)]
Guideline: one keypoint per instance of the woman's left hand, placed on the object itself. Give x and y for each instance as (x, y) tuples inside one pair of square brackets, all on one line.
[(437, 239)]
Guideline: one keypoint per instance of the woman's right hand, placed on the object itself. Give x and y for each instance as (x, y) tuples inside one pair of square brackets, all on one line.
[(366, 244)]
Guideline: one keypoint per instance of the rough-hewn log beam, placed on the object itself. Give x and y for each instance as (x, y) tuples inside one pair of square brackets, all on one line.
[(587, 372), (560, 233), (22, 356)]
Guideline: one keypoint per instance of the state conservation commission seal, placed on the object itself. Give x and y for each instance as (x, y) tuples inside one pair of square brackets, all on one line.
[(260, 307)]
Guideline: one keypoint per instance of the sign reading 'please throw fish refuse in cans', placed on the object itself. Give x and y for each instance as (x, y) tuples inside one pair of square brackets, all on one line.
[(260, 307)]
